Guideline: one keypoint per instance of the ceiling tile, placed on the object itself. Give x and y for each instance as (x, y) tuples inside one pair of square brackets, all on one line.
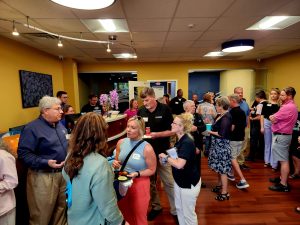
[(149, 36), (199, 24), (203, 8), (149, 9), (183, 36), (155, 25)]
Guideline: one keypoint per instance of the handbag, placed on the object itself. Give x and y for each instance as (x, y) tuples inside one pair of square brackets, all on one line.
[(116, 182)]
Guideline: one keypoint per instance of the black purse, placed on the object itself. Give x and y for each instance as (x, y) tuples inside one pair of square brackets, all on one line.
[(116, 181)]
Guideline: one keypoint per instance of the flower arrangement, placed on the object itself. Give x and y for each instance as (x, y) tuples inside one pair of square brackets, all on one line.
[(112, 100)]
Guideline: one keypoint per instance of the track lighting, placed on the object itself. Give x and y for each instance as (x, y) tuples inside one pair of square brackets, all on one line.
[(108, 49), (15, 32), (59, 44)]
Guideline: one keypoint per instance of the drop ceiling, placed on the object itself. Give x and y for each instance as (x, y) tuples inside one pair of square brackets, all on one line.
[(159, 30)]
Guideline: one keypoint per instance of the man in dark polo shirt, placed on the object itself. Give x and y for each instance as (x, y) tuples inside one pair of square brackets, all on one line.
[(43, 149), (237, 137), (176, 104), (93, 105), (158, 117)]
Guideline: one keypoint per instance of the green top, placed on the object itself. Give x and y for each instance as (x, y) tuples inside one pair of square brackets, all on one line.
[(93, 196)]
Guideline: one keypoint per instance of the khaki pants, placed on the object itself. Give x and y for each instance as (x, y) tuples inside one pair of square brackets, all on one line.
[(245, 150), (165, 174), (9, 218), (46, 198)]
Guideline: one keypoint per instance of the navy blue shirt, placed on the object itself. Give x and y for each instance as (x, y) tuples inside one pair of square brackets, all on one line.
[(190, 173), (41, 141)]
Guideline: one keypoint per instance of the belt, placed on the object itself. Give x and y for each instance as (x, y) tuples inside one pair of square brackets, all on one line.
[(47, 170), (276, 133)]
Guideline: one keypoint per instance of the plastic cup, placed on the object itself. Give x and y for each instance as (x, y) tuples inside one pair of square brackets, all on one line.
[(208, 127), (148, 131)]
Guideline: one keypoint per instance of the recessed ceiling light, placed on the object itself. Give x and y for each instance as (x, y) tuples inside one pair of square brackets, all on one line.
[(108, 25), (215, 54), (85, 4), (274, 23), (125, 56), (238, 45), (105, 25)]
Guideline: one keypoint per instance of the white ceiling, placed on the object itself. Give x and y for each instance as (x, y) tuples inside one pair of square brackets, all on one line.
[(158, 28)]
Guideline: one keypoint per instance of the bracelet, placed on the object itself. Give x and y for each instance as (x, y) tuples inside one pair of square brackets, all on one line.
[(139, 174)]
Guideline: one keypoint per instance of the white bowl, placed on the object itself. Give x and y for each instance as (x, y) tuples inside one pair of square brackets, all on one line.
[(113, 112)]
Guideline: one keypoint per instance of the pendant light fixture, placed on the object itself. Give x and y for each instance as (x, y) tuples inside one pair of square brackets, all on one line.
[(60, 44), (240, 45), (15, 31), (85, 4)]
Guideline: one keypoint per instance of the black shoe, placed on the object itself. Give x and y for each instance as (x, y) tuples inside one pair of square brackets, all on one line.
[(280, 187), (275, 180), (244, 167), (153, 213)]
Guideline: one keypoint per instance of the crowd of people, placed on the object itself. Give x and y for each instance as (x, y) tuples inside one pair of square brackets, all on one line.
[(180, 131)]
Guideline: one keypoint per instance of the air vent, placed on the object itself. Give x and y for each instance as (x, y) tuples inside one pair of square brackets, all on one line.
[(40, 35)]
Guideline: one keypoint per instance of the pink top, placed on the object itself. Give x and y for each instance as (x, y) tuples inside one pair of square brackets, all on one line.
[(130, 113), (8, 181), (285, 118)]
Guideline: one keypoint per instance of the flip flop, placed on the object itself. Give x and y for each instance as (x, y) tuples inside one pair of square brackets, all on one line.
[(294, 176)]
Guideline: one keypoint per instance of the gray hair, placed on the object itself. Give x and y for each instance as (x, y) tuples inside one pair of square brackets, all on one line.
[(223, 102), (47, 102), (187, 103), (234, 97), (147, 91)]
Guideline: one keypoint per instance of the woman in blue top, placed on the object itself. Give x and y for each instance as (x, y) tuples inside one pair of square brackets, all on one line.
[(140, 166), (93, 196), (185, 170)]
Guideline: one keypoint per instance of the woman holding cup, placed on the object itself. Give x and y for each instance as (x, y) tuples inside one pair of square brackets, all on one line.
[(185, 170), (140, 166)]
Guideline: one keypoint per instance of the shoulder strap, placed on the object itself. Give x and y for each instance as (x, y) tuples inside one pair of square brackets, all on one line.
[(129, 154)]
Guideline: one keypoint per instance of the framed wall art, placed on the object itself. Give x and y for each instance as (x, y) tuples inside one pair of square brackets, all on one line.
[(34, 86)]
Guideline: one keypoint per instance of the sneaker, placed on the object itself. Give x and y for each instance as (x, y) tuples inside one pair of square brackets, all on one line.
[(153, 213), (244, 167), (230, 177), (275, 180), (242, 184), (279, 187)]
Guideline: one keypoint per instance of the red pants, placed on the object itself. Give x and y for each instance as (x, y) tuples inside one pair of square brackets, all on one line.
[(134, 205)]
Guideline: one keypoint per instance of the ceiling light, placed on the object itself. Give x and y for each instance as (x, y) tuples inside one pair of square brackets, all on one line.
[(108, 25), (275, 22), (85, 4), (15, 32), (125, 56), (108, 49), (238, 45), (215, 54), (60, 44)]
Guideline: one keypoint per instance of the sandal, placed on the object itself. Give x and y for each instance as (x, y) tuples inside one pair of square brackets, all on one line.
[(216, 189), (294, 176), (222, 197), (297, 209)]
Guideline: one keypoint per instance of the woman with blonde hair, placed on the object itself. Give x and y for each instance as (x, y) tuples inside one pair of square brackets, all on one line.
[(86, 168), (186, 173), (140, 166), (268, 109)]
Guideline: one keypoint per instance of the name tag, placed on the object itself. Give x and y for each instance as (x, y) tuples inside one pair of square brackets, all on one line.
[(145, 119), (176, 103), (158, 117), (269, 104), (136, 156)]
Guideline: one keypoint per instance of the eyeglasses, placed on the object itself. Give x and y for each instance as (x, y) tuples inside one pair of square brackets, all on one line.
[(57, 109), (176, 124)]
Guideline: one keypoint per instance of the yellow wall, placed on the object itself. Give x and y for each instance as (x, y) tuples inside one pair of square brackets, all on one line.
[(238, 78), (15, 57), (284, 71)]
